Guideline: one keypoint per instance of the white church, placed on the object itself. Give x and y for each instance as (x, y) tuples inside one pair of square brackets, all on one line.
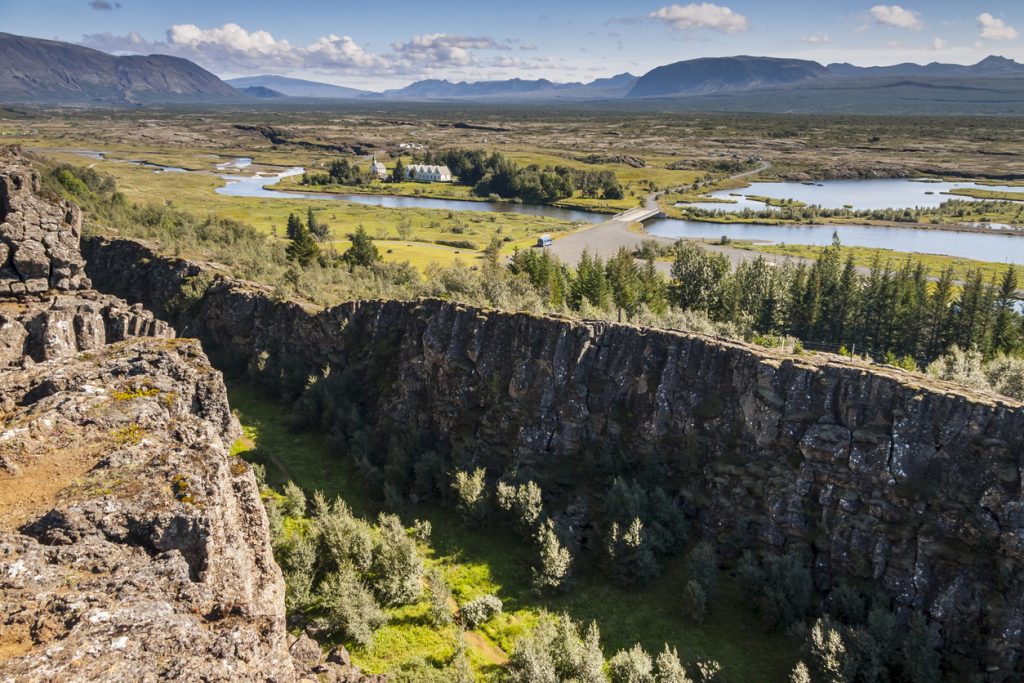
[(378, 169), (428, 174)]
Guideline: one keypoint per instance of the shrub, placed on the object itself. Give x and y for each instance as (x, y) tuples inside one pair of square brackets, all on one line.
[(780, 591), (695, 602), (531, 660), (476, 612), (632, 558), (918, 659), (440, 595), (555, 560), (523, 503), (470, 495), (396, 572), (421, 530), (670, 669), (827, 653), (348, 606), (575, 658), (631, 666), (800, 674), (702, 566), (344, 539), (294, 504), (708, 671), (296, 554)]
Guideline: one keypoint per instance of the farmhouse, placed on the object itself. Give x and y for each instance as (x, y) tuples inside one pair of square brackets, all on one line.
[(428, 174), (378, 169)]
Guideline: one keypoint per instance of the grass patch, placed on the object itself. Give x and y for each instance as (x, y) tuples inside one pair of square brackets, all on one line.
[(495, 561)]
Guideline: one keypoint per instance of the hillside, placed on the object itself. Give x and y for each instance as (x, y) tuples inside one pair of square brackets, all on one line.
[(716, 74), (48, 71)]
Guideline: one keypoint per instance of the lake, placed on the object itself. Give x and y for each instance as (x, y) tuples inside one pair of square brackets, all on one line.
[(978, 246), (882, 193)]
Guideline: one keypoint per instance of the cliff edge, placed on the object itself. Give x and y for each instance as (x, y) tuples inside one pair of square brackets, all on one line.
[(133, 546)]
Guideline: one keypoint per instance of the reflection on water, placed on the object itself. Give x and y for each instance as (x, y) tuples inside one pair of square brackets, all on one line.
[(881, 193), (979, 246)]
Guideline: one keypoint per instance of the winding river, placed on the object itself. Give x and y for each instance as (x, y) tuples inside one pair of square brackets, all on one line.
[(978, 246), (859, 193)]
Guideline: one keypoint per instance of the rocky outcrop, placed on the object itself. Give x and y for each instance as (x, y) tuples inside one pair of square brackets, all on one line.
[(38, 237), (888, 480), (141, 550), (133, 546)]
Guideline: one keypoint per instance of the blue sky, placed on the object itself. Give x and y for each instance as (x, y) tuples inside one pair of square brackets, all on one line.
[(377, 44)]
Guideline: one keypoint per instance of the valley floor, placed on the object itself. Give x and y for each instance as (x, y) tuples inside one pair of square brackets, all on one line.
[(477, 562)]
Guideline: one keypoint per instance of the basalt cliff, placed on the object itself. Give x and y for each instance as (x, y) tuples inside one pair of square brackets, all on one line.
[(909, 486), (133, 547)]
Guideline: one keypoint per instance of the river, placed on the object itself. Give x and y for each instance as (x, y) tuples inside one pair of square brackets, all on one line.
[(898, 192)]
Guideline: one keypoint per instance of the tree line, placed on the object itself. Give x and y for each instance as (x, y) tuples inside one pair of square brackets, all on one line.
[(498, 175)]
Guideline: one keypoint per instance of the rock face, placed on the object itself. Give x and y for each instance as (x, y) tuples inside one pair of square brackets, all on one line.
[(888, 480), (38, 238), (133, 547)]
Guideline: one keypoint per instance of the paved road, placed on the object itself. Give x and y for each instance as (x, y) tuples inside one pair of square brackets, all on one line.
[(605, 239)]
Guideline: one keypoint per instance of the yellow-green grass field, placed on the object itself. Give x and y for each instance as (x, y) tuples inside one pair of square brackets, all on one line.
[(493, 560), (415, 228)]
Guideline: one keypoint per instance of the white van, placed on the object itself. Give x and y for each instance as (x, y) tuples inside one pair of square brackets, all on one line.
[(545, 241)]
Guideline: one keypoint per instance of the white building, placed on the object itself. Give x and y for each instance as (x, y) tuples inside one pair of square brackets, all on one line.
[(428, 174), (378, 169)]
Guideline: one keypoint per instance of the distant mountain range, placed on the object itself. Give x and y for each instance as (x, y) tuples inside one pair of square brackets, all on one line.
[(296, 87), (46, 71)]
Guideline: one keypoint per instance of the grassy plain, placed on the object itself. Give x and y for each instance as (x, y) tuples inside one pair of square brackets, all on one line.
[(477, 562), (676, 149)]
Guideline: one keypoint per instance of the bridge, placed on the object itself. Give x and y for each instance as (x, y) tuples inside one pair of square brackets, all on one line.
[(605, 239), (638, 215)]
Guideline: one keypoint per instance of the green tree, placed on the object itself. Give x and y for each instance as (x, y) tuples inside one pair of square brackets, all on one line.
[(695, 601), (471, 495), (294, 226), (320, 231), (348, 607), (555, 561), (1005, 337), (670, 669), (398, 173), (396, 573), (303, 248), (631, 666), (363, 251), (440, 595)]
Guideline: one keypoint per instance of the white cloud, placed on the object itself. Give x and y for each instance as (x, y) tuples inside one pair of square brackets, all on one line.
[(896, 16), (938, 44), (444, 48), (816, 39), (234, 49), (993, 28), (705, 15), (227, 37)]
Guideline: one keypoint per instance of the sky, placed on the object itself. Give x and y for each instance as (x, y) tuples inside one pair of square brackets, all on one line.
[(377, 44)]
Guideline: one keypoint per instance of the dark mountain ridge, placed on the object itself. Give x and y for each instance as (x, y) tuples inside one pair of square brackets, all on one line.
[(49, 71)]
